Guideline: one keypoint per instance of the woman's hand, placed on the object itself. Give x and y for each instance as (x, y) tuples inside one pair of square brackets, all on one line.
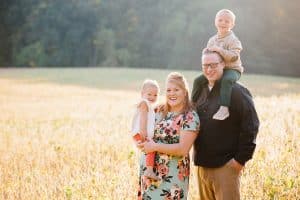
[(159, 108), (148, 146)]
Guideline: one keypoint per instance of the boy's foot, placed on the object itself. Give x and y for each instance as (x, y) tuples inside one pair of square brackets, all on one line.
[(150, 174), (222, 113)]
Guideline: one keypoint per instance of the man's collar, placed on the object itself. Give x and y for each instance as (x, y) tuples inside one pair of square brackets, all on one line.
[(216, 85)]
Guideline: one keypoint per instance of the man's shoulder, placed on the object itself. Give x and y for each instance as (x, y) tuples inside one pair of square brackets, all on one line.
[(240, 90)]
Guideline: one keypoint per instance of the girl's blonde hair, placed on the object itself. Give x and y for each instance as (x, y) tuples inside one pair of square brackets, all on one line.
[(150, 83), (180, 81)]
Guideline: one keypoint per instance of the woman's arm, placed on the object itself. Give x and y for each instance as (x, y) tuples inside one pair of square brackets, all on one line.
[(182, 148)]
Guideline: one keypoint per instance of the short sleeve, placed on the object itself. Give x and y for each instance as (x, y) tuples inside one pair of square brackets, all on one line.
[(190, 122)]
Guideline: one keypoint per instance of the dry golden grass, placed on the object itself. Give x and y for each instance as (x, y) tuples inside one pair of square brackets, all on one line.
[(72, 142)]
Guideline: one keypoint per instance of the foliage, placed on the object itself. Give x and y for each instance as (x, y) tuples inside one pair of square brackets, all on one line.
[(134, 33)]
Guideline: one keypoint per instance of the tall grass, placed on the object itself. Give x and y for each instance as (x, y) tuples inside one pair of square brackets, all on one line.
[(64, 134)]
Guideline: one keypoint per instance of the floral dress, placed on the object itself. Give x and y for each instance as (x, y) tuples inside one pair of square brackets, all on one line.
[(173, 170)]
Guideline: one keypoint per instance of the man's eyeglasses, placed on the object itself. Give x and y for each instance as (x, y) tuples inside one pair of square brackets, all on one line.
[(211, 65)]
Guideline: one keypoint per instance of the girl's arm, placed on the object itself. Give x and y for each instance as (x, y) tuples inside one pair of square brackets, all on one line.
[(143, 109), (182, 148)]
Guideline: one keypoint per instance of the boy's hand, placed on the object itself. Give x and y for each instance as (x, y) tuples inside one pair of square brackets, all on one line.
[(215, 48)]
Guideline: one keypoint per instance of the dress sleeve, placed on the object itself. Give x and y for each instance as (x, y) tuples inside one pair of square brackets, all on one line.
[(190, 122)]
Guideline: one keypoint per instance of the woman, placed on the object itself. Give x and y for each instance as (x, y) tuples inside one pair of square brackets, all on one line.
[(176, 129)]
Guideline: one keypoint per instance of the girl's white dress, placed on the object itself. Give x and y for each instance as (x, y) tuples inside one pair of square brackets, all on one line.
[(135, 128)]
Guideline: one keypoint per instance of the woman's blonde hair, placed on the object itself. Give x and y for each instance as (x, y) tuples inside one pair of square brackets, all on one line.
[(180, 81)]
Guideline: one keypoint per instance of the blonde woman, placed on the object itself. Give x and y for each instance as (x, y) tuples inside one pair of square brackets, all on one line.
[(176, 129)]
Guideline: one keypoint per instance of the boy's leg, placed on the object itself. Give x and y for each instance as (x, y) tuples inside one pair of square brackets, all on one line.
[(230, 76), (228, 79), (198, 85)]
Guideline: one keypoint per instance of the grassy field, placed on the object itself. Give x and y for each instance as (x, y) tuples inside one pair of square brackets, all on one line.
[(64, 134)]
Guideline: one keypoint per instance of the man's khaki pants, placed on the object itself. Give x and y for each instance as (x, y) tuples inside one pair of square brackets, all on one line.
[(221, 183)]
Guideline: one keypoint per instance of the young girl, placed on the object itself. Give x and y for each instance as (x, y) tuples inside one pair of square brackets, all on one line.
[(144, 121)]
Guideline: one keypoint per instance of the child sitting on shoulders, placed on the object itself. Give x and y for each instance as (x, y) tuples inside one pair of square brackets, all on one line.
[(229, 47)]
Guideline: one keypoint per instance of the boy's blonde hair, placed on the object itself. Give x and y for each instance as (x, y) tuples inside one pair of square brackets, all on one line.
[(150, 83), (226, 11)]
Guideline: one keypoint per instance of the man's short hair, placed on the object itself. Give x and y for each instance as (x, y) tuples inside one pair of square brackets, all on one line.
[(208, 52)]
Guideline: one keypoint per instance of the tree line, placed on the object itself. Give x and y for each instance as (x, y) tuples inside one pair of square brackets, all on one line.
[(143, 33)]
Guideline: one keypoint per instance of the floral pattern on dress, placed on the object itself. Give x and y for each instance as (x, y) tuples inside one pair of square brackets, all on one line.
[(183, 169), (175, 193), (173, 171)]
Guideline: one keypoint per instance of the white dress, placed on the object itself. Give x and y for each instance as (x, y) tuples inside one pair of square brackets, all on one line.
[(135, 128)]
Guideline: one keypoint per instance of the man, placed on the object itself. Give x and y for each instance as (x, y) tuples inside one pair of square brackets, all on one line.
[(222, 147)]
